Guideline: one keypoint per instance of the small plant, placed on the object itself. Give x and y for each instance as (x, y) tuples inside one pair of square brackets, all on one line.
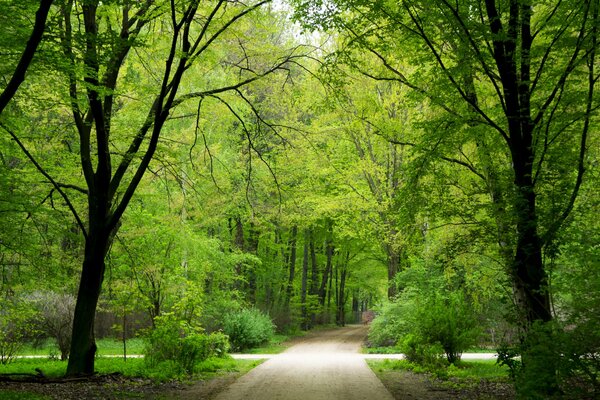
[(248, 328), (177, 345), (16, 326)]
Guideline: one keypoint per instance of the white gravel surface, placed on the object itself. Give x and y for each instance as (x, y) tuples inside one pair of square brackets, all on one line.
[(323, 366)]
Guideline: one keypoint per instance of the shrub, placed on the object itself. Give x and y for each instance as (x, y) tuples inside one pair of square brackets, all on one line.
[(552, 361), (451, 322), (174, 342), (248, 328), (56, 318), (16, 326), (424, 324), (419, 351)]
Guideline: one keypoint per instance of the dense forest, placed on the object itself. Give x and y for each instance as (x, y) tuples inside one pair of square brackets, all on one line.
[(306, 162)]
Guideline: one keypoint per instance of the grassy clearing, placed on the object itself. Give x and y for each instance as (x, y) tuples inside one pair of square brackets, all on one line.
[(466, 371), (107, 346), (132, 368)]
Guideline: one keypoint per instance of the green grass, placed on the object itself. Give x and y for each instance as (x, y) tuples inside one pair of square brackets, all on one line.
[(381, 350), (275, 346), (478, 369), (132, 368), (105, 347), (50, 368), (19, 395), (473, 370)]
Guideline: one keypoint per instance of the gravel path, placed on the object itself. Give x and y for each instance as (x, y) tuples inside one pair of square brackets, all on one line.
[(322, 366)]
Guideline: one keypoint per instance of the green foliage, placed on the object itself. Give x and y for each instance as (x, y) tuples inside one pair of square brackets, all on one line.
[(174, 344), (553, 360), (449, 321), (16, 326), (427, 319), (248, 328)]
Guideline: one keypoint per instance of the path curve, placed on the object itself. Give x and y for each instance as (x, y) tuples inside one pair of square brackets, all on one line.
[(322, 366)]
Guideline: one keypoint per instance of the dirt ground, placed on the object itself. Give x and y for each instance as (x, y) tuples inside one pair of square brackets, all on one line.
[(324, 364)]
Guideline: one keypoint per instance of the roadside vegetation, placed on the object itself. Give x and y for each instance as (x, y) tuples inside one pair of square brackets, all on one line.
[(182, 179)]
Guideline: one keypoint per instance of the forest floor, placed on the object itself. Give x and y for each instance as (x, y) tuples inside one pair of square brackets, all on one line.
[(324, 364)]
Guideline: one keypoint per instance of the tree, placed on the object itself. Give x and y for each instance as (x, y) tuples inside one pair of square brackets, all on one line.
[(114, 157), (515, 80)]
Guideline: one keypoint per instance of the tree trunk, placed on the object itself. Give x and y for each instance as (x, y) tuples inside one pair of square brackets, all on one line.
[(529, 276), (304, 312), (340, 319), (292, 267), (327, 273), (328, 263), (83, 343), (393, 265), (314, 275)]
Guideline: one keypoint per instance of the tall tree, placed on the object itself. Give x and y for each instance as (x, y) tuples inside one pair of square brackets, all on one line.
[(115, 156)]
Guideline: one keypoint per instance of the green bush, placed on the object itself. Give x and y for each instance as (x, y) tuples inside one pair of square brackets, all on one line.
[(552, 361), (16, 326), (422, 324), (175, 343), (450, 321), (248, 328)]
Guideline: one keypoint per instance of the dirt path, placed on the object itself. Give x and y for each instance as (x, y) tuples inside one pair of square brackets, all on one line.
[(322, 366)]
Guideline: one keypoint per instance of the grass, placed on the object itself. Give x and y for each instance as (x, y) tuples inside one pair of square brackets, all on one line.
[(381, 350), (465, 371), (105, 347), (275, 346), (132, 368), (20, 395), (396, 350)]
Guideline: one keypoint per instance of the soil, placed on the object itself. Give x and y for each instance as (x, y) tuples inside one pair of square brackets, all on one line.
[(323, 364), (406, 385)]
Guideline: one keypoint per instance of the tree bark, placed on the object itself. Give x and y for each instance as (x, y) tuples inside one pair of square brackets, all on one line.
[(329, 249), (292, 267), (393, 266), (83, 343), (303, 289)]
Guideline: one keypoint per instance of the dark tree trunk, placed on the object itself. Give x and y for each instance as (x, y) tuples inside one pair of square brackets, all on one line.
[(292, 266), (341, 297), (314, 275), (328, 269), (252, 247), (393, 266), (303, 289), (83, 343), (529, 276)]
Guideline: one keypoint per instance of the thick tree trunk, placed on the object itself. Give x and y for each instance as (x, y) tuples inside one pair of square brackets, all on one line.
[(83, 343), (529, 275)]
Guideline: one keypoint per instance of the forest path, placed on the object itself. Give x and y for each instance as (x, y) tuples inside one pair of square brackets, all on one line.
[(324, 365)]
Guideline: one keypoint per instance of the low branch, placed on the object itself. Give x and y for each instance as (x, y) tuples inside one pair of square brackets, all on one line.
[(32, 44), (47, 176)]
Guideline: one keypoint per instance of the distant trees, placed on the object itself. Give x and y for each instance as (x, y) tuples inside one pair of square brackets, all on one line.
[(510, 90)]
